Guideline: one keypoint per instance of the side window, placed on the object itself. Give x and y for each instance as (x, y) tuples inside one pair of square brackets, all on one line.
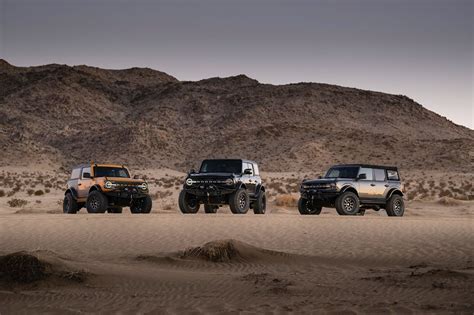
[(379, 174), (255, 169), (85, 170), (75, 173), (249, 165), (392, 175), (368, 173)]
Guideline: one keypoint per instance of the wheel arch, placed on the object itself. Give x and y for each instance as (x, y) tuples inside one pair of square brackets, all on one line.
[(71, 191), (349, 188), (260, 188), (95, 187), (394, 191)]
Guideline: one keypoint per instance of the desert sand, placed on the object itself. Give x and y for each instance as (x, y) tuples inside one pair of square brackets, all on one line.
[(279, 262)]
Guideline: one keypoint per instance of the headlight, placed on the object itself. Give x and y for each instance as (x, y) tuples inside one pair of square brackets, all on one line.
[(108, 184), (229, 181), (189, 181), (143, 186)]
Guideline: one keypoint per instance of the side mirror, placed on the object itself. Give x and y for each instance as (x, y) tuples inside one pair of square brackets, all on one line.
[(248, 171), (362, 176), (136, 177), (86, 175), (192, 171)]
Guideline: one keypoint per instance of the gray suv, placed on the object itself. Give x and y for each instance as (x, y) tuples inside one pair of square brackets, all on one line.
[(353, 188)]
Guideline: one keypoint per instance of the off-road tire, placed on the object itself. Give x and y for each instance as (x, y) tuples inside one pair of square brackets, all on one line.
[(305, 209), (239, 202), (184, 205), (96, 202), (70, 205), (347, 204), (115, 210), (141, 205), (395, 206), (260, 205), (210, 209)]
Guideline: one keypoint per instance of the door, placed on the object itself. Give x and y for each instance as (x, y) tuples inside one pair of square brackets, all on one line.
[(250, 179), (366, 186), (84, 184), (381, 184)]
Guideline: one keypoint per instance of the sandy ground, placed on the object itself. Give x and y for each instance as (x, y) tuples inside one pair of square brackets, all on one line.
[(280, 262)]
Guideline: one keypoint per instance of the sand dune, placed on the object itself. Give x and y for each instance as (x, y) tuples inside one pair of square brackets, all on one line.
[(222, 263)]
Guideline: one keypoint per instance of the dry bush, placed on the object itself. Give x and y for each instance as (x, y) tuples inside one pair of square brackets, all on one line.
[(39, 193), (275, 186), (22, 267), (168, 206), (286, 200), (30, 192), (15, 203), (46, 191), (2, 193), (161, 194)]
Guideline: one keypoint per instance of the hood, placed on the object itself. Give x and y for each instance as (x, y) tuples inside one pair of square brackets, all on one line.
[(125, 180), (320, 181), (211, 175)]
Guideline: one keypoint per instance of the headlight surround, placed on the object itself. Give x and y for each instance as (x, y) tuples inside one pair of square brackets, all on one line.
[(229, 181), (143, 186), (108, 184), (189, 181)]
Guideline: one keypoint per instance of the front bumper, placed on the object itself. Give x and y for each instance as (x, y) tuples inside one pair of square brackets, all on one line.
[(209, 190), (319, 195), (127, 193)]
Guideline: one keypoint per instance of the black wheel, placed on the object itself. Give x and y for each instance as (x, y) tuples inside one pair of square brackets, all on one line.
[(188, 203), (305, 207), (96, 202), (347, 203), (395, 206), (115, 210), (210, 209), (260, 205), (239, 202), (141, 205), (70, 205)]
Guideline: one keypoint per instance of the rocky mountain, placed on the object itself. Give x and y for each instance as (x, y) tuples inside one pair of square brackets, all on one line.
[(65, 115)]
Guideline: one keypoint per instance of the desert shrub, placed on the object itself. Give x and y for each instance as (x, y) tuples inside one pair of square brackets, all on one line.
[(161, 194), (286, 200), (39, 193), (168, 206), (30, 192), (14, 203), (47, 190), (2, 193), (446, 201), (38, 201)]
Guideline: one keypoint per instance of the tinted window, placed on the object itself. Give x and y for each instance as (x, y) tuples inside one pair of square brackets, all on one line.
[(392, 175), (342, 172), (86, 170), (100, 171), (75, 173), (249, 165), (379, 174), (221, 166), (367, 172)]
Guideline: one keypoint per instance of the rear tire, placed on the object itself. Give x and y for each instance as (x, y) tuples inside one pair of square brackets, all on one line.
[(395, 206), (260, 205), (96, 202), (210, 209), (188, 203), (239, 202), (70, 205), (347, 204), (141, 205), (305, 208)]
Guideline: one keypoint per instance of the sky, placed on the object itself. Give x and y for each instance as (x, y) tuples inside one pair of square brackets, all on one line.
[(420, 48)]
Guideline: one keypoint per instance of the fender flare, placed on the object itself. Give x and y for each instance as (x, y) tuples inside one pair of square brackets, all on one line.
[(259, 189), (72, 191), (241, 185), (95, 187), (350, 188), (394, 191)]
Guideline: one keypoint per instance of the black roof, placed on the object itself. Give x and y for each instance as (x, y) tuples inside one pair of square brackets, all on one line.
[(243, 160), (394, 168)]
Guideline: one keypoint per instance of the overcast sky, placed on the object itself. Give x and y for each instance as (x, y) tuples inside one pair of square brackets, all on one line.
[(420, 48)]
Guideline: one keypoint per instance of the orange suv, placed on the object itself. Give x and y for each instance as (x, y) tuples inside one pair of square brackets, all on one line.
[(105, 187)]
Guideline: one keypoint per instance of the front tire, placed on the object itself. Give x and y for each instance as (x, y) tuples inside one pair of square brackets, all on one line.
[(141, 205), (395, 206), (239, 202), (347, 204), (260, 205), (70, 205), (305, 207), (96, 202), (188, 203)]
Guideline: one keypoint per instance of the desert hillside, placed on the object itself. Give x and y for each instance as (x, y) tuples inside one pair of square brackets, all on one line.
[(60, 114)]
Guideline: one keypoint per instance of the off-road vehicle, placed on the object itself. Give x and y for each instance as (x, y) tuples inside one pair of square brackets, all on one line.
[(353, 188), (220, 182), (105, 187)]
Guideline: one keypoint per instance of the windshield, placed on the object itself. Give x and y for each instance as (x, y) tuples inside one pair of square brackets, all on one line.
[(342, 172), (100, 171), (221, 166)]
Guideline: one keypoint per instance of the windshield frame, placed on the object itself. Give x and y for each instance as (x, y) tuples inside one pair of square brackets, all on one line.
[(101, 174), (355, 169), (214, 170)]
